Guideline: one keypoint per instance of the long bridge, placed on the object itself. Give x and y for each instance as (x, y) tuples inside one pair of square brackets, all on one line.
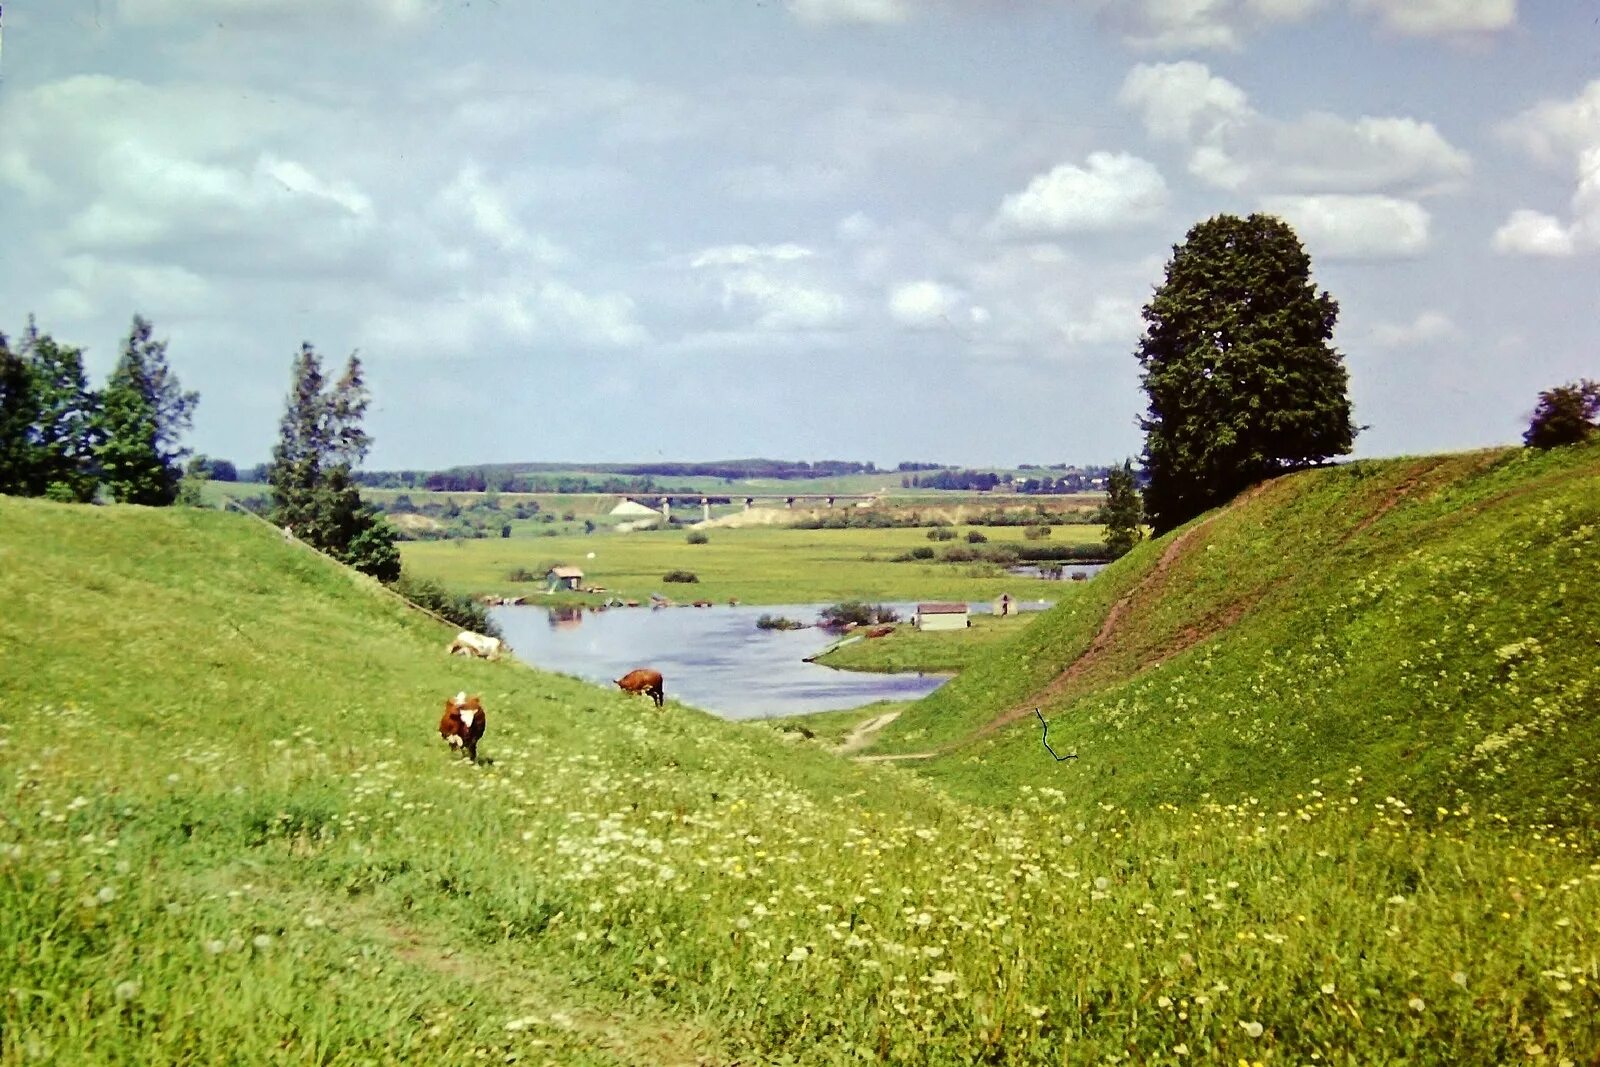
[(664, 501)]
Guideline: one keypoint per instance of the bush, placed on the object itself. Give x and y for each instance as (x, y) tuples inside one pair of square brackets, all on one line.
[(680, 576), (778, 622), (1566, 415), (976, 537), (921, 552), (856, 613), (463, 611), (697, 537), (522, 574), (1036, 533), (941, 533)]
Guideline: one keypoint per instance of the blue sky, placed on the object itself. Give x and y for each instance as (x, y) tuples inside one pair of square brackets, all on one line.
[(856, 229)]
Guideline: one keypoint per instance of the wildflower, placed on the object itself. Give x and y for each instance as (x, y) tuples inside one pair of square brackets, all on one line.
[(1417, 1003), (126, 991), (1253, 1029), (262, 941), (941, 978), (106, 895), (1460, 979), (1102, 883), (1180, 1050), (214, 947), (1327, 987), (798, 955)]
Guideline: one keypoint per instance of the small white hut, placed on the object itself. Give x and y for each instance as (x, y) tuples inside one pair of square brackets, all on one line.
[(941, 617)]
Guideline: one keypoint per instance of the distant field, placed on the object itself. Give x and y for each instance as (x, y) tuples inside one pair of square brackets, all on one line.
[(758, 565)]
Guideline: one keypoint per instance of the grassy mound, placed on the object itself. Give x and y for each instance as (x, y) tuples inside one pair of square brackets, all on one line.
[(1426, 625), (234, 836)]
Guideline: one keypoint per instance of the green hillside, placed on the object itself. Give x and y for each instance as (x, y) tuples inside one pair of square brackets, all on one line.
[(1428, 625), (234, 836)]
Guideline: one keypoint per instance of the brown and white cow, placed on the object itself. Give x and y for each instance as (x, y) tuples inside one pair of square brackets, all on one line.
[(463, 723), (643, 680)]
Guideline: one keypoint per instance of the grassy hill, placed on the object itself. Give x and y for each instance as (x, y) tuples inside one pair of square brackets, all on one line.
[(1428, 625), (233, 835)]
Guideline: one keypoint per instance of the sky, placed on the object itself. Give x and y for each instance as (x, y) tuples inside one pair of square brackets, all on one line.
[(876, 230)]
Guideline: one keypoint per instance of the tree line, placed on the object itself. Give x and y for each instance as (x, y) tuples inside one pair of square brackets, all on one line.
[(63, 440)]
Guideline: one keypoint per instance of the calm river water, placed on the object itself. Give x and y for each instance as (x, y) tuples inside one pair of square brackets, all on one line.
[(713, 658)]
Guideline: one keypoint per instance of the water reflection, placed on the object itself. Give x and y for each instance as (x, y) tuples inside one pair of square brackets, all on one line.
[(713, 658)]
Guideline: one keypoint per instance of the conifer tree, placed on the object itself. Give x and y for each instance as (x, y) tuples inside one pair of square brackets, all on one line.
[(143, 414)]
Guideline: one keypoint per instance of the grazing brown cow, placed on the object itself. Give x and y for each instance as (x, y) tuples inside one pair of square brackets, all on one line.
[(463, 723), (644, 681)]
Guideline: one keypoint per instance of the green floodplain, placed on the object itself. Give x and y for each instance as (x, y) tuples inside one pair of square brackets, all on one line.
[(1334, 802)]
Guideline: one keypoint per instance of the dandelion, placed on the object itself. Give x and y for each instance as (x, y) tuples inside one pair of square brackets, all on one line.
[(1253, 1029)]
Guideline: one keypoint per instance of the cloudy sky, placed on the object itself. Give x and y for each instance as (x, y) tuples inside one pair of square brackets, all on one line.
[(858, 229)]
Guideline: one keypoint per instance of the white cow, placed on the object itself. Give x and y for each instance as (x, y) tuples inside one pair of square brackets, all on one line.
[(468, 643)]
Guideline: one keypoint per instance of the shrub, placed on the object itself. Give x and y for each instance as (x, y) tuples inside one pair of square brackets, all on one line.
[(463, 611), (856, 613), (941, 533), (1566, 415), (697, 537), (778, 622), (976, 537), (522, 574), (680, 576), (1036, 533)]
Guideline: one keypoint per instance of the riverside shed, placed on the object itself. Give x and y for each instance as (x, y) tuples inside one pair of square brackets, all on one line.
[(564, 577), (942, 617)]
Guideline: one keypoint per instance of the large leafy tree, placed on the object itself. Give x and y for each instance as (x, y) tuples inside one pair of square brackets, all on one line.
[(1566, 415), (320, 443), (1242, 380), (64, 423), (1123, 512), (144, 412)]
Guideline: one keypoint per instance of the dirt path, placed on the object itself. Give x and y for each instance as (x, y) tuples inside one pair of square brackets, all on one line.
[(865, 733)]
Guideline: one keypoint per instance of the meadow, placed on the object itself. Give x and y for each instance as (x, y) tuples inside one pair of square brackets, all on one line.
[(236, 836), (756, 565)]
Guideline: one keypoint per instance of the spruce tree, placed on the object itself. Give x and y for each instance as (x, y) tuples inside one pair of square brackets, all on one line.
[(64, 422), (16, 421), (1123, 512), (1242, 380), (314, 492), (143, 414)]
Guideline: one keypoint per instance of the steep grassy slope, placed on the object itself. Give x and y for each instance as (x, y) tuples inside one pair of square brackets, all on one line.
[(232, 835), (1428, 625)]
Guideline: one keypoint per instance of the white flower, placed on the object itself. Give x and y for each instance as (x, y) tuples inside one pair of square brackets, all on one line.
[(1417, 1003), (1460, 979), (126, 991), (1327, 987), (1102, 883), (1253, 1029), (214, 947), (941, 978), (106, 895), (800, 953), (262, 941)]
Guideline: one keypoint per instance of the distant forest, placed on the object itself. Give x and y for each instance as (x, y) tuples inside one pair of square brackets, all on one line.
[(624, 478)]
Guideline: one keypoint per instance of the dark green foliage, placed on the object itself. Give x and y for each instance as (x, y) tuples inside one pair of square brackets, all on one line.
[(16, 420), (697, 537), (143, 413), (314, 493), (856, 613), (778, 622), (1123, 513), (680, 576), (941, 533), (522, 574), (1242, 380), (461, 610), (1566, 415), (1036, 533), (63, 434), (976, 537)]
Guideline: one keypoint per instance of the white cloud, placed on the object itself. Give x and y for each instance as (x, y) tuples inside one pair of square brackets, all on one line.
[(1354, 227), (1113, 191), (1233, 146), (1427, 328), (741, 255), (518, 310), (1533, 233), (1111, 320), (262, 13), (844, 12), (1189, 25), (1558, 132), (1442, 18), (782, 305), (922, 304)]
